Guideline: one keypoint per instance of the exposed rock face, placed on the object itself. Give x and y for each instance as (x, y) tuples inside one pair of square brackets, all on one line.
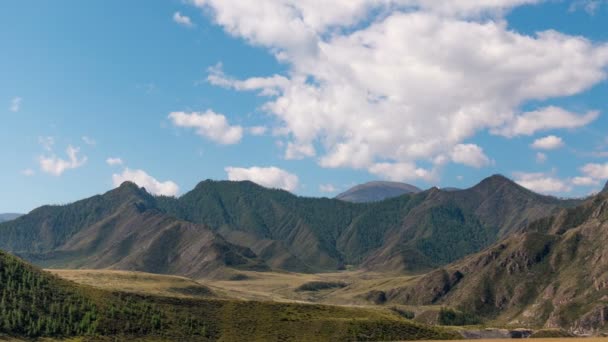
[(554, 274)]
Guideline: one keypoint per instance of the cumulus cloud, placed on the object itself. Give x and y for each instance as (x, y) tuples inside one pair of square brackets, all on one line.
[(114, 161), (402, 172), (385, 85), (57, 166), (589, 6), (15, 104), (182, 20), (327, 188), (596, 171), (257, 130), (270, 177), (584, 181), (545, 119), (470, 155), (142, 179), (550, 142), (210, 125), (542, 183)]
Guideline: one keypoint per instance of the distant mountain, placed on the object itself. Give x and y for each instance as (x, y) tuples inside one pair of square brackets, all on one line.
[(605, 190), (243, 225), (554, 274), (8, 217), (376, 191)]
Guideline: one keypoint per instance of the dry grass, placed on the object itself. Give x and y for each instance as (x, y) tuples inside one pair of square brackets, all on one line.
[(136, 282), (281, 286)]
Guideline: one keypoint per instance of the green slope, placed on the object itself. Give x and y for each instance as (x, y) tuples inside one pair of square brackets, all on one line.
[(243, 224), (35, 303), (552, 274)]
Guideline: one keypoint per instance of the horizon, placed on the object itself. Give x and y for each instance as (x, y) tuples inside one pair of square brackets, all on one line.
[(310, 100), (292, 193)]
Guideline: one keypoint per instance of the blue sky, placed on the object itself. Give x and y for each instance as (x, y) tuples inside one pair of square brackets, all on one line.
[(305, 98)]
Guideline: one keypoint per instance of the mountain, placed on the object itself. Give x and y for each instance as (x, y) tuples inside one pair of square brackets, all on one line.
[(243, 225), (605, 190), (8, 217), (552, 274), (34, 304), (121, 229), (376, 191)]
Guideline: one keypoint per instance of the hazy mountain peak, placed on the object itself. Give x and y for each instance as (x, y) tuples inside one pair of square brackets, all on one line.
[(605, 189), (376, 191)]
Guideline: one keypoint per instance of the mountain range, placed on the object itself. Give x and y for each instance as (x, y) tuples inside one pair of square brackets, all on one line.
[(243, 225), (376, 191), (553, 273)]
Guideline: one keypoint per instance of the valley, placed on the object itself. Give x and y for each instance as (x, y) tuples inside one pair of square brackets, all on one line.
[(434, 263)]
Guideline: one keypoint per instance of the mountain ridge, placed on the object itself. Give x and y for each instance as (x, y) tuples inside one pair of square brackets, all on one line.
[(553, 273), (242, 224)]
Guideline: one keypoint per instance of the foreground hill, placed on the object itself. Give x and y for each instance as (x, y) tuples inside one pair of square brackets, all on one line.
[(376, 191), (243, 225), (35, 303), (8, 217), (552, 274)]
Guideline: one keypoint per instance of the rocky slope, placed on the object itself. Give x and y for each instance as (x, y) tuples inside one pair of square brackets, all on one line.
[(552, 274)]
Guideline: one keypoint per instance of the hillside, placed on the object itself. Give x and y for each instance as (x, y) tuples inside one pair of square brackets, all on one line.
[(8, 217), (376, 191), (35, 303), (121, 230), (552, 274), (243, 225)]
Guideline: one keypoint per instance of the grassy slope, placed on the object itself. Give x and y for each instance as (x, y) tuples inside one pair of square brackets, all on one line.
[(81, 310)]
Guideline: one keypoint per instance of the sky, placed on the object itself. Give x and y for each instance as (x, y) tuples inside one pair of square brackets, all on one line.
[(308, 96)]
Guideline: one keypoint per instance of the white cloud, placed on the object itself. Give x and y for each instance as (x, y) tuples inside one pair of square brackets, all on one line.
[(546, 119), (584, 181), (142, 179), (57, 166), (257, 130), (382, 85), (89, 141), (327, 188), (210, 125), (596, 171), (542, 183), (182, 20), (402, 172), (15, 104), (28, 172), (541, 158), (47, 142), (114, 161), (470, 155), (550, 142), (589, 6), (270, 177)]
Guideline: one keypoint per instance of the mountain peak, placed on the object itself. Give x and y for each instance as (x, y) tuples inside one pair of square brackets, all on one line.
[(376, 191), (605, 190)]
